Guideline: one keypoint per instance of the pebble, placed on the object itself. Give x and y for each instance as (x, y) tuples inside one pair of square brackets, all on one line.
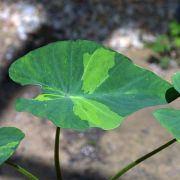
[(88, 151), (125, 38), (24, 17), (17, 21)]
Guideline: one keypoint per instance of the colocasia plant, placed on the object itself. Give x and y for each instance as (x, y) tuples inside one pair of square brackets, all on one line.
[(85, 85)]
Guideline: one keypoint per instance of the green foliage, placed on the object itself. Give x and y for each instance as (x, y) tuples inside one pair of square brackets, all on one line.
[(174, 29), (175, 33), (176, 81), (86, 85), (161, 44), (169, 119), (164, 62), (177, 42), (10, 138), (167, 45)]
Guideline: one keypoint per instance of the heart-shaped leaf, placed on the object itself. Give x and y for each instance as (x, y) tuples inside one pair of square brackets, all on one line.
[(10, 138), (86, 85), (170, 119), (176, 81)]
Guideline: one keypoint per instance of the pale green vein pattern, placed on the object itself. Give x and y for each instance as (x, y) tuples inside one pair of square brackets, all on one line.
[(96, 113), (169, 119), (86, 85), (10, 138), (96, 67)]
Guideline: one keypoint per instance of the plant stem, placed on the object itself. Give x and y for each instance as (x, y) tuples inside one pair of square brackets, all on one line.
[(141, 159), (56, 155), (22, 170)]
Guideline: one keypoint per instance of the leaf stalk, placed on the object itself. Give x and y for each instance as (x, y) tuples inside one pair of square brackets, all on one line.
[(21, 170), (141, 159), (56, 154)]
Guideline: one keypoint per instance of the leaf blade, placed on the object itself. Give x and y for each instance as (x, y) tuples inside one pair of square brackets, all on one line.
[(169, 118), (10, 138), (176, 81), (69, 69)]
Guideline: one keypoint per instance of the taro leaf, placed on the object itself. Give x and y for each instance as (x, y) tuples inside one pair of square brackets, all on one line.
[(170, 119), (176, 81), (10, 138), (85, 85)]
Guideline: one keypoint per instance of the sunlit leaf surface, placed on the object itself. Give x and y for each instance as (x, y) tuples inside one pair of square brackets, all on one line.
[(86, 85), (176, 81), (170, 119), (10, 138)]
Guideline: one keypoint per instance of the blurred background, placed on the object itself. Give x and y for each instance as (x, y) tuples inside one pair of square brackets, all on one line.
[(147, 31)]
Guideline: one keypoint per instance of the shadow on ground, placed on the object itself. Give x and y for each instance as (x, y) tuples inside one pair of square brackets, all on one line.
[(38, 169)]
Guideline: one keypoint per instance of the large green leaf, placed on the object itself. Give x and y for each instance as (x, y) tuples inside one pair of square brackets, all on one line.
[(86, 85), (170, 119), (176, 81), (10, 138)]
